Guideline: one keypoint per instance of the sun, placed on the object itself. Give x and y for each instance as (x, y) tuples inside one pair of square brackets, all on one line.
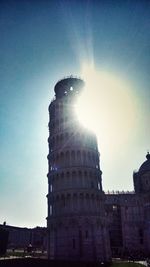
[(106, 106)]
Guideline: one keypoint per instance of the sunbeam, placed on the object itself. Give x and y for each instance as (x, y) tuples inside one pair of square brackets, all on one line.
[(106, 106)]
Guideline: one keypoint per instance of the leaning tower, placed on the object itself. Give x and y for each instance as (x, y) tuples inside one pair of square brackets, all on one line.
[(77, 227)]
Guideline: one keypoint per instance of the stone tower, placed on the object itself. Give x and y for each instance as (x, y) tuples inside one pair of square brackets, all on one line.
[(77, 227)]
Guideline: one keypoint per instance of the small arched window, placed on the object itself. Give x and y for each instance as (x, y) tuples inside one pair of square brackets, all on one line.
[(51, 188), (98, 185), (50, 210)]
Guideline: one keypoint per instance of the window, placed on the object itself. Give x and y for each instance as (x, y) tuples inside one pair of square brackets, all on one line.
[(51, 188), (114, 208), (98, 185), (50, 209)]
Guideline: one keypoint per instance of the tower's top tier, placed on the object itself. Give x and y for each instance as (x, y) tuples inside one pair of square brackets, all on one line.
[(68, 86)]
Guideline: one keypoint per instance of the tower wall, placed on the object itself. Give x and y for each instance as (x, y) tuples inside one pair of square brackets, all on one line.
[(76, 219)]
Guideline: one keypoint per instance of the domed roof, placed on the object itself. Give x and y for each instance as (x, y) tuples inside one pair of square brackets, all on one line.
[(146, 165)]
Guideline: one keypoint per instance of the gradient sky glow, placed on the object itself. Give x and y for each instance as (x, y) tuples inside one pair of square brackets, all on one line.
[(40, 43)]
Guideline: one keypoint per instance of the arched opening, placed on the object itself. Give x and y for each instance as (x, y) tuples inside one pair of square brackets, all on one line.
[(68, 174), (57, 140), (66, 136), (84, 157), (73, 174), (78, 156), (72, 155), (80, 174), (62, 158), (67, 156), (63, 202), (89, 156)]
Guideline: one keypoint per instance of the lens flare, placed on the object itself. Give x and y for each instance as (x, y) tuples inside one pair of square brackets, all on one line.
[(106, 106)]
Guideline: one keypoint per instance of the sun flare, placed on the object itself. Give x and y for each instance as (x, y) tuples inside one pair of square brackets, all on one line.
[(106, 106)]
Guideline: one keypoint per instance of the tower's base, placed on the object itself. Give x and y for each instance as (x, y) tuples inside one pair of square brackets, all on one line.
[(79, 239)]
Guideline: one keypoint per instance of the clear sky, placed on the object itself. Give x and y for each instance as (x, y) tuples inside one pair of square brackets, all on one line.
[(43, 41)]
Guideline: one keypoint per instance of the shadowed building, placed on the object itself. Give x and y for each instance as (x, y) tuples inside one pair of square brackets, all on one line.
[(129, 216), (77, 226), (3, 240), (21, 237)]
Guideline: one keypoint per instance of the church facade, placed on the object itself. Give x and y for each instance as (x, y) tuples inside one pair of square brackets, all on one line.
[(83, 222), (129, 217)]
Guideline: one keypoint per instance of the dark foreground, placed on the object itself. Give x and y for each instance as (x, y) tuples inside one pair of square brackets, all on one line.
[(32, 262)]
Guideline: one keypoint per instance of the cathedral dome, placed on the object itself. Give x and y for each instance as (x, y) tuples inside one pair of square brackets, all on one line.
[(146, 165)]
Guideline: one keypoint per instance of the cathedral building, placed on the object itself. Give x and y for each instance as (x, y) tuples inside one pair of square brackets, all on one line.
[(83, 222), (129, 216)]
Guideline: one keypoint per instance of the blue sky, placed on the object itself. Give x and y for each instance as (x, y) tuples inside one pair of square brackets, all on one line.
[(41, 42)]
